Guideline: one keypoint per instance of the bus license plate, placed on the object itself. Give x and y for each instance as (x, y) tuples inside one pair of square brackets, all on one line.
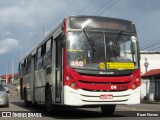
[(106, 96)]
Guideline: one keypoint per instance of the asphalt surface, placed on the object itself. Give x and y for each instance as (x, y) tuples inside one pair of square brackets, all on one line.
[(132, 112)]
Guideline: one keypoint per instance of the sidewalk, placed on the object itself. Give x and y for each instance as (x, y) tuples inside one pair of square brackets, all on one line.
[(150, 102)]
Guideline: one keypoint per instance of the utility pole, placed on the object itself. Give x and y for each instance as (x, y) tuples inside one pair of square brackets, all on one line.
[(12, 70), (7, 72)]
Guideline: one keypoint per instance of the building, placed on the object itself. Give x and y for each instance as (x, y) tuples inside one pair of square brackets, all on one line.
[(150, 75), (149, 61), (150, 88), (8, 77)]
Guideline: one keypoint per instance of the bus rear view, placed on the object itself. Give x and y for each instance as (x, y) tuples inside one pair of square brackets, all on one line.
[(100, 63)]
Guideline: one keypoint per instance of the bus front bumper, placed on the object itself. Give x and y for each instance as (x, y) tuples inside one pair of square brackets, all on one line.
[(81, 97)]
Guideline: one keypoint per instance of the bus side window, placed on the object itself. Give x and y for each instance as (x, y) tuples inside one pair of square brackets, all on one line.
[(59, 51), (48, 54), (48, 46), (20, 70), (39, 58), (29, 65), (24, 67)]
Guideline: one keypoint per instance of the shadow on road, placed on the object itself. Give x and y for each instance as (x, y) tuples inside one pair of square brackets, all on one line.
[(65, 112)]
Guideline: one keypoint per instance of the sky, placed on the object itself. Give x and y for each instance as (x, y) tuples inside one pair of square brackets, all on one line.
[(22, 22)]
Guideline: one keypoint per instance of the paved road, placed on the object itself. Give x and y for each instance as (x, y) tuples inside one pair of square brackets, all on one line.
[(122, 111)]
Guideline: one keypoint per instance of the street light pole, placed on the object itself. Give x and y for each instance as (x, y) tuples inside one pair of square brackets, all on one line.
[(146, 64)]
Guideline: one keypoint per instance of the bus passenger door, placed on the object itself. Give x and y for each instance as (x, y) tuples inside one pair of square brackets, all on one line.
[(58, 74)]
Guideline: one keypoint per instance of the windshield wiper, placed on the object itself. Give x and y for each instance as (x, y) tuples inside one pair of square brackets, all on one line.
[(117, 39), (116, 42), (89, 39)]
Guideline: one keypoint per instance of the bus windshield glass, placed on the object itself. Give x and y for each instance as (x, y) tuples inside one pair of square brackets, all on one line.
[(111, 50)]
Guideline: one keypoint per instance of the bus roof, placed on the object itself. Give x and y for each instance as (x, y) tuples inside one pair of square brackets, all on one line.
[(92, 22), (81, 22)]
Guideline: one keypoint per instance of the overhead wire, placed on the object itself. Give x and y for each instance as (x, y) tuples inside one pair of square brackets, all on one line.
[(155, 48), (149, 43), (73, 2), (101, 11), (48, 26), (67, 8), (106, 8), (150, 46), (86, 6)]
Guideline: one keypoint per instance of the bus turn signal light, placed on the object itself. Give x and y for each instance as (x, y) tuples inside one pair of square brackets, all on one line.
[(71, 82)]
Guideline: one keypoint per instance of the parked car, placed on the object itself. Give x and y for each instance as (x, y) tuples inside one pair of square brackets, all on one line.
[(4, 100), (14, 82), (6, 88)]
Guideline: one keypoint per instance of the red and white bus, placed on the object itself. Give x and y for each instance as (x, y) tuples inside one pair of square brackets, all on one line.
[(86, 61)]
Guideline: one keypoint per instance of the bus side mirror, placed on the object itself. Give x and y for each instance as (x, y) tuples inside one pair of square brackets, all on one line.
[(132, 48), (133, 44)]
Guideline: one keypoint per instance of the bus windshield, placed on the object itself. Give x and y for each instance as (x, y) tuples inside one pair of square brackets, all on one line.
[(102, 50)]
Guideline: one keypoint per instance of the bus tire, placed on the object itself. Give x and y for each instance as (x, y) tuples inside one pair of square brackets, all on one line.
[(48, 100), (108, 110), (26, 102)]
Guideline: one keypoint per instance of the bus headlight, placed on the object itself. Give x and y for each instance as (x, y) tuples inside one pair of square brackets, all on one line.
[(134, 85), (71, 82)]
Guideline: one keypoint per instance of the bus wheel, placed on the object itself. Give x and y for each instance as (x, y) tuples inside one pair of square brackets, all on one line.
[(26, 102), (48, 100), (108, 110)]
